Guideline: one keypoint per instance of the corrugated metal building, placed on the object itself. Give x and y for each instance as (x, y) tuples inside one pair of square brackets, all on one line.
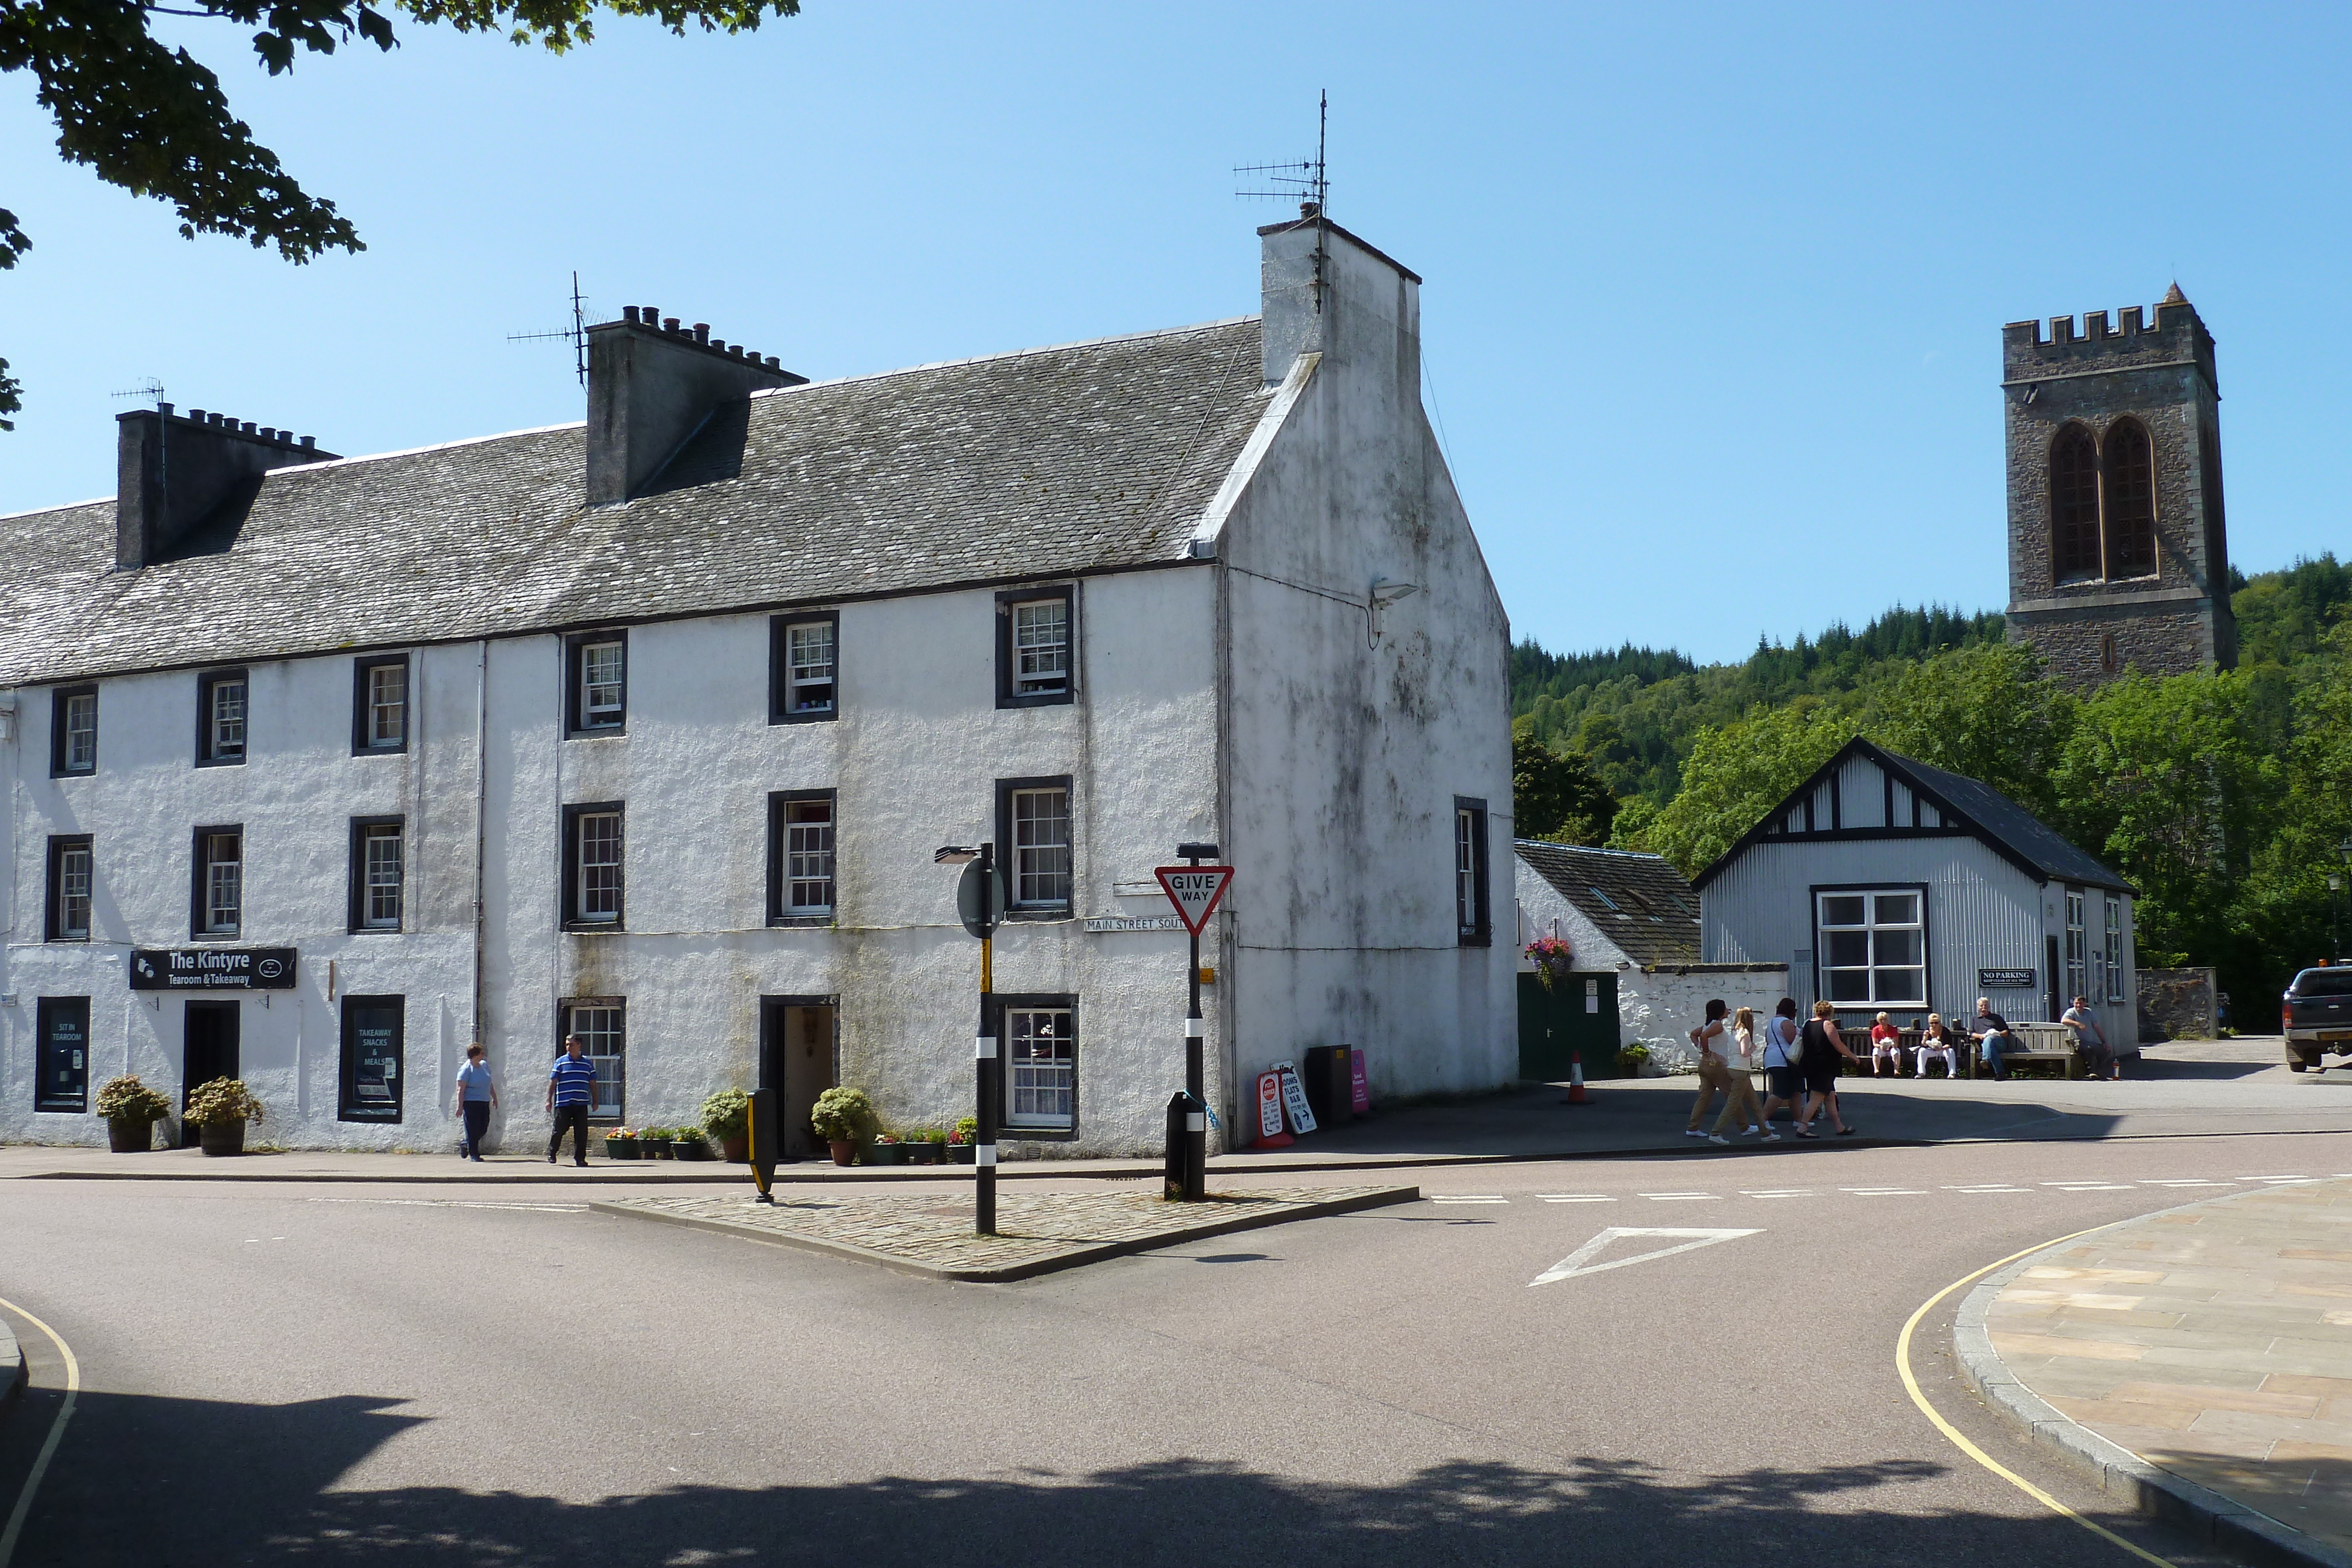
[(1889, 885)]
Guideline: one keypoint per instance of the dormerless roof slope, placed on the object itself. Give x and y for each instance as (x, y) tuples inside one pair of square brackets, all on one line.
[(1089, 457), (1640, 902)]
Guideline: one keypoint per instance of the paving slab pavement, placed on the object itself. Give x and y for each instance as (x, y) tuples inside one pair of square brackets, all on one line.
[(2210, 1344), (930, 1232)]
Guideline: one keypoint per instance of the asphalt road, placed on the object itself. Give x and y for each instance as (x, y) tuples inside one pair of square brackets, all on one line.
[(299, 1374)]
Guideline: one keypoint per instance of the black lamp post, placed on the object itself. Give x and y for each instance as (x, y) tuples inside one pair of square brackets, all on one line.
[(979, 912), (2334, 915)]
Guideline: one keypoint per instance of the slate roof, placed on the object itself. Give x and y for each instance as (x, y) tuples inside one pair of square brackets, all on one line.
[(1051, 462), (1974, 806), (1640, 902)]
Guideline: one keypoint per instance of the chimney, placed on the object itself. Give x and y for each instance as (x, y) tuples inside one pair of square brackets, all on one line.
[(1328, 292), (173, 472), (650, 387)]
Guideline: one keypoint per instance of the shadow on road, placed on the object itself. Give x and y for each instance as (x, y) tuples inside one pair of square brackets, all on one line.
[(193, 1483)]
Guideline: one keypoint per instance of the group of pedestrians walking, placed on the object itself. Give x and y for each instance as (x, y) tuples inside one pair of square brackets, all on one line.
[(571, 1092)]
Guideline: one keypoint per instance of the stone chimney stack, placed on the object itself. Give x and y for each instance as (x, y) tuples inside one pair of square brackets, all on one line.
[(174, 472), (651, 385), (1328, 292)]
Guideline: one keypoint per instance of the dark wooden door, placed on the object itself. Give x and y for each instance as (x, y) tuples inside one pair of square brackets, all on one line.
[(208, 1051), (797, 1058)]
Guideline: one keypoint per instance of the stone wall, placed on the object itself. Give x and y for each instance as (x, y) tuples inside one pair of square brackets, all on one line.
[(1659, 1005), (2175, 1004)]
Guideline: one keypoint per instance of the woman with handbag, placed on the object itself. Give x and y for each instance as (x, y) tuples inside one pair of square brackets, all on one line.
[(1784, 1085), (1824, 1050)]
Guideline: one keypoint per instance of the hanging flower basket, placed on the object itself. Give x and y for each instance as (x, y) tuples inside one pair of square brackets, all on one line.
[(1551, 958)]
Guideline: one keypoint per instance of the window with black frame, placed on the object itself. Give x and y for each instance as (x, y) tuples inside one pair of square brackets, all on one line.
[(220, 893), (1041, 1065), (73, 731), (380, 700), (223, 704), (1873, 947), (62, 1044), (375, 1044), (800, 856), (803, 668), (379, 874), (72, 883)]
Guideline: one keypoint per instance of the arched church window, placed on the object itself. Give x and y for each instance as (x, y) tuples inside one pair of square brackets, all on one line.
[(2131, 501), (2073, 506)]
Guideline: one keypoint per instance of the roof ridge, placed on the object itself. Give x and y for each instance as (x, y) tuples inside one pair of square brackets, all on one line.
[(1007, 354)]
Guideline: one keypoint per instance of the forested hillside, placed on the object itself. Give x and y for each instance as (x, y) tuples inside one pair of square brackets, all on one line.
[(2223, 796)]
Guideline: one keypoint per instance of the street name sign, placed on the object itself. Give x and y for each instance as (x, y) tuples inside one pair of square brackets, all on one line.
[(1194, 890), (1580, 1261), (212, 969)]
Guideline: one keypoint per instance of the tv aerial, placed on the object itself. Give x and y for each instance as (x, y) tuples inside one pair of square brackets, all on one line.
[(576, 334), (1307, 181)]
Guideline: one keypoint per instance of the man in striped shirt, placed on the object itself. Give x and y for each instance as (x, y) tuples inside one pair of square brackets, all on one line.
[(570, 1090)]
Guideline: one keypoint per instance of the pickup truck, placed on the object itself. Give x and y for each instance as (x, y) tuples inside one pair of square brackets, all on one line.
[(2319, 1017)]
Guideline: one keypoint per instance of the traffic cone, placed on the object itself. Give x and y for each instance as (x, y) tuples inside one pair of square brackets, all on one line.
[(1576, 1081)]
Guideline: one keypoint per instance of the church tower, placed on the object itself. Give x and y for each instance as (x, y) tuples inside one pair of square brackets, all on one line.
[(2117, 556)]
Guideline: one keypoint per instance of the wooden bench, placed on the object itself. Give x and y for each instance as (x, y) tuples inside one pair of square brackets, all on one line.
[(2037, 1042)]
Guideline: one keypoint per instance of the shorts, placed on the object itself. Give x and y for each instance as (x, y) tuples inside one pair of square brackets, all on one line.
[(1821, 1071), (1784, 1082)]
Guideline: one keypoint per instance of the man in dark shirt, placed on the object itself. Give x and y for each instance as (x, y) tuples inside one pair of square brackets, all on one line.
[(1992, 1031), (571, 1089)]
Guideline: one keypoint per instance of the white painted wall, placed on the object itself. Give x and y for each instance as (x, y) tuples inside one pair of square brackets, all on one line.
[(1667, 1003)]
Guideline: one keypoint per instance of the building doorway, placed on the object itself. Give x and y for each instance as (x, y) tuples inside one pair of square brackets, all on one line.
[(208, 1051), (799, 1058)]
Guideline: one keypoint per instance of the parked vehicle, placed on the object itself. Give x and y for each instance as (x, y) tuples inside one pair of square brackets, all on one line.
[(2317, 1017)]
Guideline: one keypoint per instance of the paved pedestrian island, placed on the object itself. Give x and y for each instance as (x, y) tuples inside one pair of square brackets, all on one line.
[(931, 1232), (2214, 1341)]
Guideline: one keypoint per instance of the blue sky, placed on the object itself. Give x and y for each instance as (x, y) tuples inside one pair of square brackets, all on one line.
[(1713, 299)]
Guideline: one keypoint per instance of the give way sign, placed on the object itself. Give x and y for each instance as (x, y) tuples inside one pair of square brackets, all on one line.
[(1196, 891)]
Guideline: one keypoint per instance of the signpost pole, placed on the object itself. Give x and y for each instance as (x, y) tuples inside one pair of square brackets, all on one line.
[(985, 1058), (1196, 1121)]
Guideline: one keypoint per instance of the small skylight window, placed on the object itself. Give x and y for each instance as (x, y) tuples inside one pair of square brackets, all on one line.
[(1606, 901)]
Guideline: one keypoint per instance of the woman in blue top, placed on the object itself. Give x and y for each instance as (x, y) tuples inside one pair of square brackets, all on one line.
[(477, 1092)]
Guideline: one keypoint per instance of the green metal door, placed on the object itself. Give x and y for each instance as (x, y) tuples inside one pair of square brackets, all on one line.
[(1577, 1018)]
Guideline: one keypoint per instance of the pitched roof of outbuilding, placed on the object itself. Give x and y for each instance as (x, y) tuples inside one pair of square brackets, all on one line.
[(1969, 805), (1640, 902), (1086, 457)]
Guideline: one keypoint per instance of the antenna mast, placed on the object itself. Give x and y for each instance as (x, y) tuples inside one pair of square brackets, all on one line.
[(577, 334), (1309, 183)]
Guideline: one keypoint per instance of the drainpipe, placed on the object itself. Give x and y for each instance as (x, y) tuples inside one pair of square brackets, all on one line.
[(481, 813)]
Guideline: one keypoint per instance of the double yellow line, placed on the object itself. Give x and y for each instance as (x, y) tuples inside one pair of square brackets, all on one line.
[(1911, 1386), (16, 1525)]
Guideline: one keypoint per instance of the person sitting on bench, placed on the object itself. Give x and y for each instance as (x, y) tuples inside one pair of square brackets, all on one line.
[(1887, 1046), (2090, 1039), (1936, 1041), (1990, 1030)]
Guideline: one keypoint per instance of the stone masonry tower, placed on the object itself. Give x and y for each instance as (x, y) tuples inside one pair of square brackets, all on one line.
[(2117, 556)]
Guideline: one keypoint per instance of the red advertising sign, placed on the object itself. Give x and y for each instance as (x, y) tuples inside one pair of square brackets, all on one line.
[(1270, 1135), (1196, 891)]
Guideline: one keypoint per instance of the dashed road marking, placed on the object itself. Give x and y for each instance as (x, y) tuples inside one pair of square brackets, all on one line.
[(1791, 1192), (1468, 1199), (1576, 1198), (1885, 1191), (459, 1203), (1988, 1187), (1680, 1196), (2154, 1181), (2089, 1185)]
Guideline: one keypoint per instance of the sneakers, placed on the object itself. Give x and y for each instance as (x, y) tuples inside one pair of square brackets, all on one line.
[(1771, 1137), (1717, 1138), (1693, 1133)]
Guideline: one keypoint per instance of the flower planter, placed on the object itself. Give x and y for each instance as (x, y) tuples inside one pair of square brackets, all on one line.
[(129, 1137), (222, 1138), (656, 1148), (843, 1150), (688, 1149), (879, 1154), (737, 1149), (927, 1154), (621, 1149), (960, 1154)]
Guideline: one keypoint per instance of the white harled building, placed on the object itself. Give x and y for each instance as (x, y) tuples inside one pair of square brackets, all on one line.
[(320, 768)]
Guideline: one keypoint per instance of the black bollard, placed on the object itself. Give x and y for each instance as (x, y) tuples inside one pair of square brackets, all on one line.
[(1179, 1115)]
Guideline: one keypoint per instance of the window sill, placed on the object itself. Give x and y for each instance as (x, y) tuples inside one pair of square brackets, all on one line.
[(81, 941), (377, 931), (400, 750), (73, 772), (799, 922), (1038, 699), (1037, 917), (220, 762), (594, 928), (819, 715), (600, 732), (216, 936), (1068, 1135)]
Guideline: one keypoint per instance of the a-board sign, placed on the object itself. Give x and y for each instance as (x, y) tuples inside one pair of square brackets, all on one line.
[(1294, 1099), (212, 969), (2008, 980), (1269, 1105), (1194, 890), (1359, 1082)]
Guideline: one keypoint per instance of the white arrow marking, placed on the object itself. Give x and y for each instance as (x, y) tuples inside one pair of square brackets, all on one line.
[(1578, 1262)]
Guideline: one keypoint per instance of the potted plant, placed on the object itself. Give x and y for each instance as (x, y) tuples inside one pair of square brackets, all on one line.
[(727, 1116), (962, 1139), (685, 1143), (220, 1110), (844, 1118), (1551, 958), (621, 1143), (1631, 1059), (654, 1141), (131, 1111), (885, 1150), (920, 1150)]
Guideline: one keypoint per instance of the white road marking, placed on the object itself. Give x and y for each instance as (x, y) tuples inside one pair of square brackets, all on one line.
[(2154, 1181), (459, 1203), (1885, 1191), (1680, 1196), (1581, 1260), (1987, 1190), (1792, 1192), (2278, 1179), (1437, 1200), (1576, 1198), (2089, 1185)]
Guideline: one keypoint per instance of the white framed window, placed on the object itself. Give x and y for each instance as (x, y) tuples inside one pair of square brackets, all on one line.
[(2115, 948), (596, 866), (70, 871), (383, 705), (1472, 926), (601, 1024), (1041, 847), (381, 876), (808, 857), (604, 685), (1040, 1088), (77, 723), (220, 910), (1036, 646), (808, 666), (222, 717), (2078, 949), (1872, 943)]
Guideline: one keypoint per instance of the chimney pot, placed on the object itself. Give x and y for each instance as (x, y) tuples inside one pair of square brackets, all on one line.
[(164, 409), (702, 331), (310, 442), (268, 433), (720, 344), (669, 323), (629, 314), (197, 414), (247, 428), (774, 363)]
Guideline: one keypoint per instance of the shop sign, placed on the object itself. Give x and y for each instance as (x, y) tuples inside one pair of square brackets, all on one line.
[(212, 969)]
